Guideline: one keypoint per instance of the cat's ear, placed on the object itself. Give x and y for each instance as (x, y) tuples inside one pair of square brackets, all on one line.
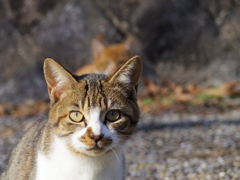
[(58, 79), (128, 44), (129, 73), (97, 47)]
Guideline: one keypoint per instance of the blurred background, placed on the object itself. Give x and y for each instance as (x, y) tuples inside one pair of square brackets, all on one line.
[(190, 51), (182, 41)]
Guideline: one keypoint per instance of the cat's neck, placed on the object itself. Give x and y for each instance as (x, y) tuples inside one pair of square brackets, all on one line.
[(60, 163)]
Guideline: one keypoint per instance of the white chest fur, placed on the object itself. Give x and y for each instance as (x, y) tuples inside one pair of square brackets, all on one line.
[(61, 164)]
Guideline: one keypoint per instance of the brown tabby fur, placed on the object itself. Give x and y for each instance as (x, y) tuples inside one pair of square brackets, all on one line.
[(78, 93), (107, 59)]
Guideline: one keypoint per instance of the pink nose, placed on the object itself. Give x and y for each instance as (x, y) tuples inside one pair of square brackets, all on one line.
[(96, 138)]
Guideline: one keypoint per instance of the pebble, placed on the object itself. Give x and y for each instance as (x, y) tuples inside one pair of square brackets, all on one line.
[(167, 147)]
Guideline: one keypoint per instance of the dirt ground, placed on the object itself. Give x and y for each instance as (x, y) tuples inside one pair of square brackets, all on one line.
[(167, 146)]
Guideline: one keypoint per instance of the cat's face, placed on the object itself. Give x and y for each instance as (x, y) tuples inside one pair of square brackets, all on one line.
[(93, 113), (109, 58)]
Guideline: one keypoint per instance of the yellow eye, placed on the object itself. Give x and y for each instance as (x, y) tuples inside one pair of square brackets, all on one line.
[(113, 115), (76, 116)]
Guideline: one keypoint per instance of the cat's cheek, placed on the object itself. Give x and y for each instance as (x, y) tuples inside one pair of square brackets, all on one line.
[(106, 131), (120, 126), (112, 133), (76, 143)]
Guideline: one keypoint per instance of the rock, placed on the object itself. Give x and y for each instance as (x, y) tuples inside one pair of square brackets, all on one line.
[(188, 41), (183, 39), (63, 33)]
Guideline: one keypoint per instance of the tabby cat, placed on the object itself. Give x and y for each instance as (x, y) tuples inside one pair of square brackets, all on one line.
[(90, 118), (107, 59)]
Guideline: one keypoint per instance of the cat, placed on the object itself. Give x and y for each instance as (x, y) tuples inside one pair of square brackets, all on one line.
[(107, 59), (90, 118)]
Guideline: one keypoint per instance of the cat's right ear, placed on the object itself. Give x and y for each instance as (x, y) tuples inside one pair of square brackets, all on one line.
[(129, 73), (58, 79), (97, 47)]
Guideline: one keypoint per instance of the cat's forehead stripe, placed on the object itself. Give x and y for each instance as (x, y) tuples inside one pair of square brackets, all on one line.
[(85, 93), (94, 95), (76, 105)]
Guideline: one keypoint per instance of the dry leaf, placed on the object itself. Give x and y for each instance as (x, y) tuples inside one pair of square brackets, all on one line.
[(225, 90), (151, 88)]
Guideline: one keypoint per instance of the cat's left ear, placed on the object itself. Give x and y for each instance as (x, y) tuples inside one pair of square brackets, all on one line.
[(129, 73), (129, 43), (58, 79)]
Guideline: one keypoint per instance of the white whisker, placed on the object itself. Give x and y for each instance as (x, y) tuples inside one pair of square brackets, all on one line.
[(136, 142), (144, 148), (115, 155), (135, 138)]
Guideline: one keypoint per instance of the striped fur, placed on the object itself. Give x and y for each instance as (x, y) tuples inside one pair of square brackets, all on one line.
[(60, 148)]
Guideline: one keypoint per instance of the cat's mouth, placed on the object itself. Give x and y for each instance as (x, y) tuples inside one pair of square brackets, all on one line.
[(93, 145), (96, 148), (96, 151)]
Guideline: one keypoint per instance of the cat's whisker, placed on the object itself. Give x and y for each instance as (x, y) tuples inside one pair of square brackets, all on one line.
[(115, 155), (141, 139), (136, 145), (135, 137), (121, 147), (146, 150)]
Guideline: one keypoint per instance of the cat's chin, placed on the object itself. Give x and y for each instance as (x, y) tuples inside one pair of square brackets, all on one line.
[(95, 151)]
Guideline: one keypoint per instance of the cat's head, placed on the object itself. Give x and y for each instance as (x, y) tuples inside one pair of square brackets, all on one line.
[(93, 113), (111, 57)]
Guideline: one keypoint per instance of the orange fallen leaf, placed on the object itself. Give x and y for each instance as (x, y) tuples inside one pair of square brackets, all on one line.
[(224, 90), (151, 88)]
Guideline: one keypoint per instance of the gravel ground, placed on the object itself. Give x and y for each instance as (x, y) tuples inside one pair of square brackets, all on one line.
[(168, 146)]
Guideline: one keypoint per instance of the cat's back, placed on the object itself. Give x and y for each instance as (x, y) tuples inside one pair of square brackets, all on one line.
[(23, 159)]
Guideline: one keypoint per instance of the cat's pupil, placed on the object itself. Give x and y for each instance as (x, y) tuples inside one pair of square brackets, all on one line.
[(112, 114)]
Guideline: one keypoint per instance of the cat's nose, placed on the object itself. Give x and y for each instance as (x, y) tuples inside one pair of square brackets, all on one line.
[(96, 138)]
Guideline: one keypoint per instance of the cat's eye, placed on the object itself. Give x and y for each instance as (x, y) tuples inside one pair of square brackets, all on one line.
[(113, 115), (76, 116)]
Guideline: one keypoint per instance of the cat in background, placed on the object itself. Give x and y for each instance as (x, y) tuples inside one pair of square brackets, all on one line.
[(90, 118), (107, 59)]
